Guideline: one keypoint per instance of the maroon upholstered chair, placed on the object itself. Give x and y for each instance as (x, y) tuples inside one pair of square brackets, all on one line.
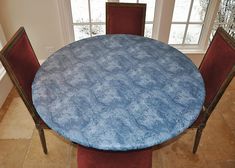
[(21, 64), (125, 18), (217, 70), (89, 158)]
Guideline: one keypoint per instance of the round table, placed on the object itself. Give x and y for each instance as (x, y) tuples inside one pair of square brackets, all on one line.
[(118, 93)]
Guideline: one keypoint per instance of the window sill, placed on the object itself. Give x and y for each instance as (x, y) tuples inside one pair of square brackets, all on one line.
[(192, 51)]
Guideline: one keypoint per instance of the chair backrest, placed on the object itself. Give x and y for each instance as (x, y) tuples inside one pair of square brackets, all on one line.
[(217, 67), (125, 18), (21, 64)]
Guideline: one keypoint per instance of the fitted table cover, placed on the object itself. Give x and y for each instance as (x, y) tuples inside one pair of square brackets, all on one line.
[(118, 92)]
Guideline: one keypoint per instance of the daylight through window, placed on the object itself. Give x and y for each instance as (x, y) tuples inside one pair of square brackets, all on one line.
[(188, 20)]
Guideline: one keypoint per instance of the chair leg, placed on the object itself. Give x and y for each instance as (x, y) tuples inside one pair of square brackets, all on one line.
[(43, 140), (197, 139)]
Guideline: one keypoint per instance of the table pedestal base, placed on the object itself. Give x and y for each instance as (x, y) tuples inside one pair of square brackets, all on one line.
[(91, 158)]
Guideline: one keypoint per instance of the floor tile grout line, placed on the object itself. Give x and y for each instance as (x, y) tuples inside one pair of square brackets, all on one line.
[(69, 161), (224, 120), (7, 103), (220, 113), (29, 147)]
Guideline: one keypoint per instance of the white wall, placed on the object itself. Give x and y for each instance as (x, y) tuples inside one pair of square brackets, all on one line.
[(42, 23), (40, 19), (5, 88), (5, 83)]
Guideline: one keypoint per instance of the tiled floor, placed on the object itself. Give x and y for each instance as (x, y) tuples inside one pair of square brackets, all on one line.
[(20, 146)]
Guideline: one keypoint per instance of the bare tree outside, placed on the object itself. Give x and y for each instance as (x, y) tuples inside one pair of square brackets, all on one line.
[(226, 17)]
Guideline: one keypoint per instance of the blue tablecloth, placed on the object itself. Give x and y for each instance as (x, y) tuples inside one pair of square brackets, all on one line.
[(118, 92)]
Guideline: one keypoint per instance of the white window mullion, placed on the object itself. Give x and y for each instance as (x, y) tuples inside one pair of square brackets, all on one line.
[(81, 23), (89, 10), (88, 23), (148, 22), (187, 23), (98, 23)]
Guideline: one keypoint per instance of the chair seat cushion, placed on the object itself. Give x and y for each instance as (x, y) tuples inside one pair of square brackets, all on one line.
[(92, 158)]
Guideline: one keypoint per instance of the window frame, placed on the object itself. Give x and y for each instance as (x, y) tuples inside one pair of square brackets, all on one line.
[(161, 23), (187, 23), (2, 43), (165, 10)]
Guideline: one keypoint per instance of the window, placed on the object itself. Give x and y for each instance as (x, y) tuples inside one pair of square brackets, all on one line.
[(225, 17), (187, 22), (89, 17)]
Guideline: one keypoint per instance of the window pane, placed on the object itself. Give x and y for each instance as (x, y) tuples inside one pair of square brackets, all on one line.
[(81, 31), (193, 34), (150, 9), (97, 10), (177, 33), (98, 30), (181, 10), (80, 11), (148, 30), (199, 10)]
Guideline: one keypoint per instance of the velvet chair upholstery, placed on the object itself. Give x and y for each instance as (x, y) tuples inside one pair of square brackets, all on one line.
[(125, 18), (21, 64), (217, 70)]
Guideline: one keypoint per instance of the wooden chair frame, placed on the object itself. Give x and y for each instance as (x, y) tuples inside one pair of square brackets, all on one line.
[(130, 5), (28, 103), (206, 111)]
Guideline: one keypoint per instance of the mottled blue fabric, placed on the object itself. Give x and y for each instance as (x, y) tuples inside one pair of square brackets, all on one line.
[(118, 92)]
